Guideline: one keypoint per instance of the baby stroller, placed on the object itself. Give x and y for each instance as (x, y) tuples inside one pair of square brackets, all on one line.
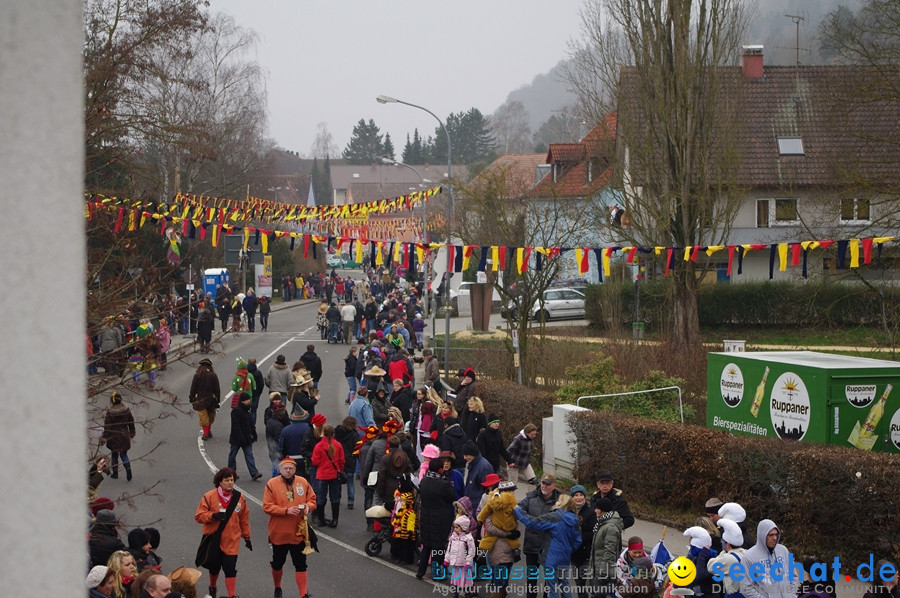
[(383, 531), (382, 525)]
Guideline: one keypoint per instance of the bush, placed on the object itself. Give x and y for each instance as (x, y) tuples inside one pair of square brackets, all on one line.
[(516, 405), (822, 497), (769, 303)]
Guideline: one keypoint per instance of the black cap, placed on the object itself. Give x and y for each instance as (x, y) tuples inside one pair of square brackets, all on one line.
[(604, 476)]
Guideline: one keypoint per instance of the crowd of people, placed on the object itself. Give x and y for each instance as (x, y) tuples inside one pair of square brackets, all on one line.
[(432, 468)]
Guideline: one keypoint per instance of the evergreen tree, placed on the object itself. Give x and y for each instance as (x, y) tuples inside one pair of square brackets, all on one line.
[(316, 176), (471, 138), (327, 187), (419, 152), (366, 145), (406, 156), (321, 182), (387, 148)]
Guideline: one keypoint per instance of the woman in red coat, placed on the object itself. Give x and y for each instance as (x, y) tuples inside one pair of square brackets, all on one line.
[(328, 457), (211, 512)]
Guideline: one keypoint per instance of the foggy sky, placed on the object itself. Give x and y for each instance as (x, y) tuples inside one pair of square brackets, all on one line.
[(327, 61)]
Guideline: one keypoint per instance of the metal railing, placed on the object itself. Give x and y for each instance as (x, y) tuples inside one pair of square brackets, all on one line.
[(637, 392)]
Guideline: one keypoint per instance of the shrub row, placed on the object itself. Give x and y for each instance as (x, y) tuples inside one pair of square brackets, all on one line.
[(829, 501), (770, 303), (516, 405)]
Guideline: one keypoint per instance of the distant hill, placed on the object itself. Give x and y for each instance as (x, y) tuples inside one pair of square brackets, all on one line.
[(547, 92)]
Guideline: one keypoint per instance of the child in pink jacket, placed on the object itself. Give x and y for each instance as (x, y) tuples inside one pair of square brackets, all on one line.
[(460, 556)]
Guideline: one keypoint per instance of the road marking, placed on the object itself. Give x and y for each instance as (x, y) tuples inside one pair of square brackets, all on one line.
[(201, 446), (269, 356)]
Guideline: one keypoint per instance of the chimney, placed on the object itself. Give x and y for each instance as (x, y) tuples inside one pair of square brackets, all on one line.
[(752, 62)]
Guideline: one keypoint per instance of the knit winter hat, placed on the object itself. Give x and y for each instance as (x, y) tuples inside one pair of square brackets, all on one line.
[(100, 503), (604, 504), (578, 488), (319, 420), (493, 418), (96, 576), (470, 448), (137, 538), (699, 536), (463, 522), (731, 532), (733, 511)]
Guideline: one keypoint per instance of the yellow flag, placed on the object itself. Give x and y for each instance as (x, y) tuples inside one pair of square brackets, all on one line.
[(854, 253), (782, 256)]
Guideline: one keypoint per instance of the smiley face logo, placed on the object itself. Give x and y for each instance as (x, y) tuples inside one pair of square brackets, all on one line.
[(682, 571)]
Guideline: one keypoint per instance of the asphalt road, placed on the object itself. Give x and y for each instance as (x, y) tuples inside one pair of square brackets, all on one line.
[(169, 482)]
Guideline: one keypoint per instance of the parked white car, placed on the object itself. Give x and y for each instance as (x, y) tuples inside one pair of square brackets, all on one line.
[(555, 303)]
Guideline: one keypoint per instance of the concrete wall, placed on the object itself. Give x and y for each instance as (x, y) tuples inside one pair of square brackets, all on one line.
[(43, 439)]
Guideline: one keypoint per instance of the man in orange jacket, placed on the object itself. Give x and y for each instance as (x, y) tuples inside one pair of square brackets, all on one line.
[(289, 500)]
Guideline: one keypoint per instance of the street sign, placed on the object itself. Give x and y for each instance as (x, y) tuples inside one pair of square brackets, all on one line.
[(234, 244)]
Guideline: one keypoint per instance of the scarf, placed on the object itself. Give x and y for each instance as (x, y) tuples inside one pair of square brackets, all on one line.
[(244, 383), (223, 497), (601, 519)]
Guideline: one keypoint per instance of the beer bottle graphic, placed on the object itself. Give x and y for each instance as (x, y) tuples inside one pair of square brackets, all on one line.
[(877, 411), (758, 397)]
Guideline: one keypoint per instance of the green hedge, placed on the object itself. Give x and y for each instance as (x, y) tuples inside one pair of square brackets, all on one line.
[(830, 501), (769, 303)]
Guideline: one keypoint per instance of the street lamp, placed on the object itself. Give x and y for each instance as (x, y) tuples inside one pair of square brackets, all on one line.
[(392, 162), (383, 99)]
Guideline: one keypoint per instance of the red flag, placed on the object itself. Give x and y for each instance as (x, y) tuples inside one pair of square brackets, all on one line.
[(795, 254), (631, 252), (867, 250)]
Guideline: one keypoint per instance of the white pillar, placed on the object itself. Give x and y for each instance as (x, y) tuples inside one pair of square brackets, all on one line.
[(42, 306)]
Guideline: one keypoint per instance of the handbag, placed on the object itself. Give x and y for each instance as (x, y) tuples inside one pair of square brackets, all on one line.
[(342, 477), (208, 553)]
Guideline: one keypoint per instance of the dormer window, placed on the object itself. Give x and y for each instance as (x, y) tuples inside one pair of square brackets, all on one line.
[(790, 146)]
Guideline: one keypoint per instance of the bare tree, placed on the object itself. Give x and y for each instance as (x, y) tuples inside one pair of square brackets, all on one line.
[(658, 64), (499, 208), (510, 128), (204, 113), (323, 145), (121, 39)]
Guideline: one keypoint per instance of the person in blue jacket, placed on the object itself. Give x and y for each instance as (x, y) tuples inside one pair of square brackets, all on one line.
[(565, 536)]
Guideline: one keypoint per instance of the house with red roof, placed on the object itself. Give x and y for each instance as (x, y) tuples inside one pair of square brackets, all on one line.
[(817, 159)]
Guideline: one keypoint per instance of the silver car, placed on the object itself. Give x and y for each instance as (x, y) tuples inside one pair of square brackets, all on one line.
[(556, 303)]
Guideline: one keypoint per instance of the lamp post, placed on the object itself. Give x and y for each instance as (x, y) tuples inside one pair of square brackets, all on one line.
[(423, 180), (383, 99)]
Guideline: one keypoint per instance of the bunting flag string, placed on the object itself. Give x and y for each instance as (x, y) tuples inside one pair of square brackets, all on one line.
[(261, 210), (852, 253)]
